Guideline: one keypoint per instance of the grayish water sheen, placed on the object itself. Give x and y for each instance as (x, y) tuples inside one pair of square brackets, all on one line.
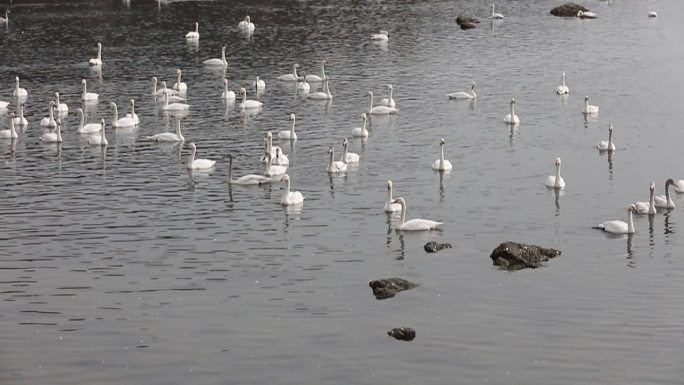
[(118, 266)]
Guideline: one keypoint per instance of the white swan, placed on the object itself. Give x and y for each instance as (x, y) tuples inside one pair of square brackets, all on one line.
[(589, 109), (607, 145), (293, 77), (162, 91), (665, 201), (389, 102), (195, 164), (249, 179), (378, 110), (98, 60), (649, 208), (49, 121), (193, 35), (289, 134), (302, 84), (361, 131), (380, 36), (316, 78), (246, 25), (227, 94), (562, 89), (60, 107), (216, 61), (87, 96), (174, 107), (86, 128), (390, 205), (20, 121), (441, 164), (679, 185), (19, 92), (179, 85), (101, 139), (248, 103), (335, 166), (321, 95), (652, 14), (349, 157), (495, 15), (618, 226), (173, 96), (290, 197), (5, 20), (271, 169), (556, 181), (512, 118), (259, 84), (132, 114), (53, 137), (168, 136), (464, 95), (586, 15), (10, 133), (123, 122), (275, 151), (414, 224)]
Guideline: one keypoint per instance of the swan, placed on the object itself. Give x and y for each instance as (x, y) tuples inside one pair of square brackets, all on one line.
[(227, 94), (194, 164), (321, 95), (589, 108), (413, 224), (49, 121), (293, 77), (335, 166), (174, 106), (193, 35), (132, 114), (556, 181), (496, 16), (179, 85), (361, 131), (99, 140), (162, 91), (87, 96), (389, 102), (10, 133), (289, 134), (316, 78), (20, 121), (259, 84), (679, 185), (441, 164), (276, 152), (271, 169), (512, 118), (5, 20), (380, 36), (665, 201), (172, 95), (391, 206), (562, 89), (215, 61), (86, 128), (378, 110), (290, 197), (607, 145), (246, 25), (302, 84), (618, 226), (652, 14), (19, 92), (244, 180), (464, 95), (53, 137), (647, 207), (349, 157), (60, 107), (168, 136), (586, 15), (98, 60), (123, 122), (248, 103)]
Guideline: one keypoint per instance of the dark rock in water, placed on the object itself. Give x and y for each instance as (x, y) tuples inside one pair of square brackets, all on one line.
[(467, 25), (433, 247), (462, 20), (403, 334), (568, 10), (516, 256), (388, 288)]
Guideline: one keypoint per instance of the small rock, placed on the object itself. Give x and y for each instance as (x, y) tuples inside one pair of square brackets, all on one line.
[(433, 247), (467, 26), (388, 288), (568, 10), (402, 334), (516, 256), (466, 22)]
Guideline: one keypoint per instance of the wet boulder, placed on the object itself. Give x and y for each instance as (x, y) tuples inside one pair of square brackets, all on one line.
[(516, 256), (402, 334), (568, 10), (433, 247), (466, 22), (388, 288)]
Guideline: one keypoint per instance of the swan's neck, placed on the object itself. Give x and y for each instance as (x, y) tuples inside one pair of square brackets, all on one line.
[(492, 9), (59, 132), (610, 139), (196, 28), (230, 169), (391, 95), (292, 129), (323, 71), (364, 124), (287, 188), (223, 56), (13, 130), (116, 111), (667, 194), (346, 151), (651, 203), (154, 86), (441, 156), (556, 183), (84, 89), (389, 195), (370, 102), (51, 114), (82, 119), (21, 111), (327, 88), (179, 79), (102, 134), (512, 110), (330, 160), (99, 52), (178, 132), (294, 72), (225, 88), (192, 158), (630, 221), (403, 214), (563, 81), (132, 108), (58, 103), (17, 80), (586, 104), (269, 144)]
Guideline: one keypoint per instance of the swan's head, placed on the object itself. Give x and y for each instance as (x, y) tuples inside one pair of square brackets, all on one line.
[(383, 32), (102, 123), (285, 178), (12, 117), (247, 18), (192, 146), (369, 93), (292, 117), (178, 72), (223, 49), (99, 45), (389, 184), (229, 156), (83, 81), (472, 85), (580, 13), (269, 135), (330, 150), (389, 87), (652, 186), (243, 90), (57, 95), (442, 142), (401, 201), (632, 208), (52, 104), (17, 79), (586, 98), (79, 111), (132, 102), (512, 100), (364, 116), (163, 83), (295, 65), (610, 127), (112, 104), (669, 182), (225, 82), (557, 162)]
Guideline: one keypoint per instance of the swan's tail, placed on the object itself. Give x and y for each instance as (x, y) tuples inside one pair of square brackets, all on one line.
[(599, 227)]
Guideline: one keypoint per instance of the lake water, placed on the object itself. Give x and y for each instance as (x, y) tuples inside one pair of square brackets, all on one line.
[(119, 266)]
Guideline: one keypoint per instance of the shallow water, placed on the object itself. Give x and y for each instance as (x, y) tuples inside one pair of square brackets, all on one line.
[(118, 266)]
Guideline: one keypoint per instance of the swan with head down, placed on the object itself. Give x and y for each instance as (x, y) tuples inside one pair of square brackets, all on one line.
[(619, 227), (414, 224)]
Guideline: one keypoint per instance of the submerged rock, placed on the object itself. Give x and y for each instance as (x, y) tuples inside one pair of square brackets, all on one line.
[(388, 288), (466, 22), (568, 10), (516, 256), (433, 247), (402, 334)]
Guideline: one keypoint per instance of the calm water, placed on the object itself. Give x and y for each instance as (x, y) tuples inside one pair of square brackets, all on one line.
[(119, 266)]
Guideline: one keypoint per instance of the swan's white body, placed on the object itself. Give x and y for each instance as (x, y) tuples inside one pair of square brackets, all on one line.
[(321, 95), (248, 103), (679, 185), (414, 224), (89, 128), (87, 96), (259, 84), (665, 201), (53, 137), (335, 166), (276, 153), (174, 106), (193, 35), (607, 145), (132, 114), (562, 89), (618, 226), (19, 92), (20, 121), (441, 164), (649, 208), (380, 36), (273, 169), (303, 85), (250, 179), (390, 205), (246, 25), (589, 109), (349, 157), (60, 107), (179, 85), (293, 77), (123, 122), (361, 131), (464, 95), (290, 197), (98, 60), (49, 121), (227, 94), (316, 78), (378, 110), (216, 61), (168, 136), (556, 181), (289, 134), (512, 118), (195, 164), (586, 15), (389, 101), (10, 133), (496, 16), (101, 139)]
